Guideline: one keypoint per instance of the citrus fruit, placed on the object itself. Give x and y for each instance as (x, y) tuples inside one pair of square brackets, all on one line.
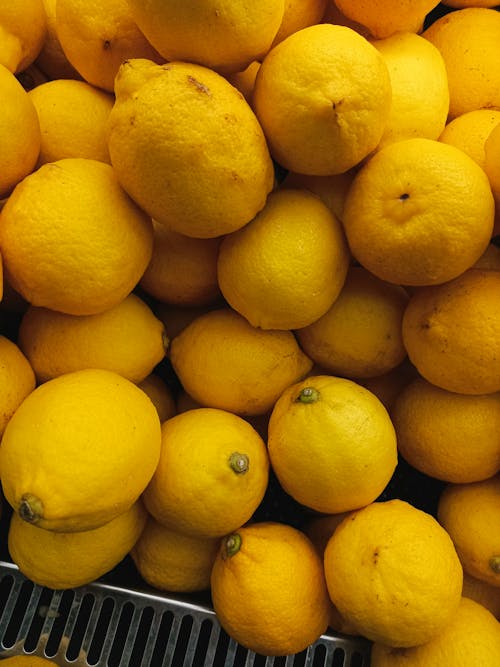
[(65, 231), (470, 513), (52, 60), (286, 267), (65, 133), (299, 14), (414, 202), (173, 561), (460, 4), (23, 30), (19, 132), (388, 386), (183, 269), (27, 661), (212, 473), (322, 96), (360, 335), (127, 339), (393, 573), (172, 134), (482, 592), (471, 636), (224, 362), (469, 41), (451, 333), (62, 560), (160, 394), (470, 130), (331, 444), (244, 81), (268, 589), (492, 161), (419, 83), (450, 436), (225, 37), (97, 38), (387, 17), (17, 379), (79, 450)]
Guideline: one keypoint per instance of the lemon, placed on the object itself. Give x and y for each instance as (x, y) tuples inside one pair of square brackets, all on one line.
[(172, 137), (23, 29), (79, 450), (17, 379)]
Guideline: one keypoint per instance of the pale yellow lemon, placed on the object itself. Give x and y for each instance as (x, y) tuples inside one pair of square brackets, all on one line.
[(65, 232), (322, 96), (394, 574), (17, 379), (360, 334), (225, 36), (65, 132), (224, 362), (127, 339), (286, 267), (92, 435), (413, 203), (97, 38), (23, 29), (470, 130), (211, 476), (172, 134), (419, 83), (62, 560)]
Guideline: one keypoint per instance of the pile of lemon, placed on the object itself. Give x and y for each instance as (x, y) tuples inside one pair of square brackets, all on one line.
[(248, 241)]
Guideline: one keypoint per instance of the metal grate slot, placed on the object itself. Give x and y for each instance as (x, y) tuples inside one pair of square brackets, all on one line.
[(102, 625)]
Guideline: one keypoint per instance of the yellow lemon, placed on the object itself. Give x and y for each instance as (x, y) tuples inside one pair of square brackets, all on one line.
[(212, 473), (299, 14), (470, 130), (19, 132), (65, 232), (360, 335), (173, 561), (286, 267), (311, 415), (472, 636), (97, 38), (419, 83), (182, 269), (393, 573), (469, 41), (482, 592), (492, 161), (172, 135), (452, 333), (79, 450), (23, 29), (226, 37), (268, 589), (388, 386), (62, 560), (450, 436), (322, 96), (470, 513), (386, 17), (127, 339), (17, 379), (224, 362), (244, 81), (66, 133), (414, 203)]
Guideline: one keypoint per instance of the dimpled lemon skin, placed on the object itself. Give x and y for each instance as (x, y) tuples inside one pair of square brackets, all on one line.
[(393, 573), (323, 97), (65, 232), (172, 137), (80, 450)]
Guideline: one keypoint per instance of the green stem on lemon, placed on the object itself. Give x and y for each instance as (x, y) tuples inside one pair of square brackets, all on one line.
[(308, 395), (231, 546), (30, 508), (239, 463), (495, 564)]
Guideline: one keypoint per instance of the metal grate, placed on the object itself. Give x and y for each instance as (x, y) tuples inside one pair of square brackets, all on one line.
[(104, 625)]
